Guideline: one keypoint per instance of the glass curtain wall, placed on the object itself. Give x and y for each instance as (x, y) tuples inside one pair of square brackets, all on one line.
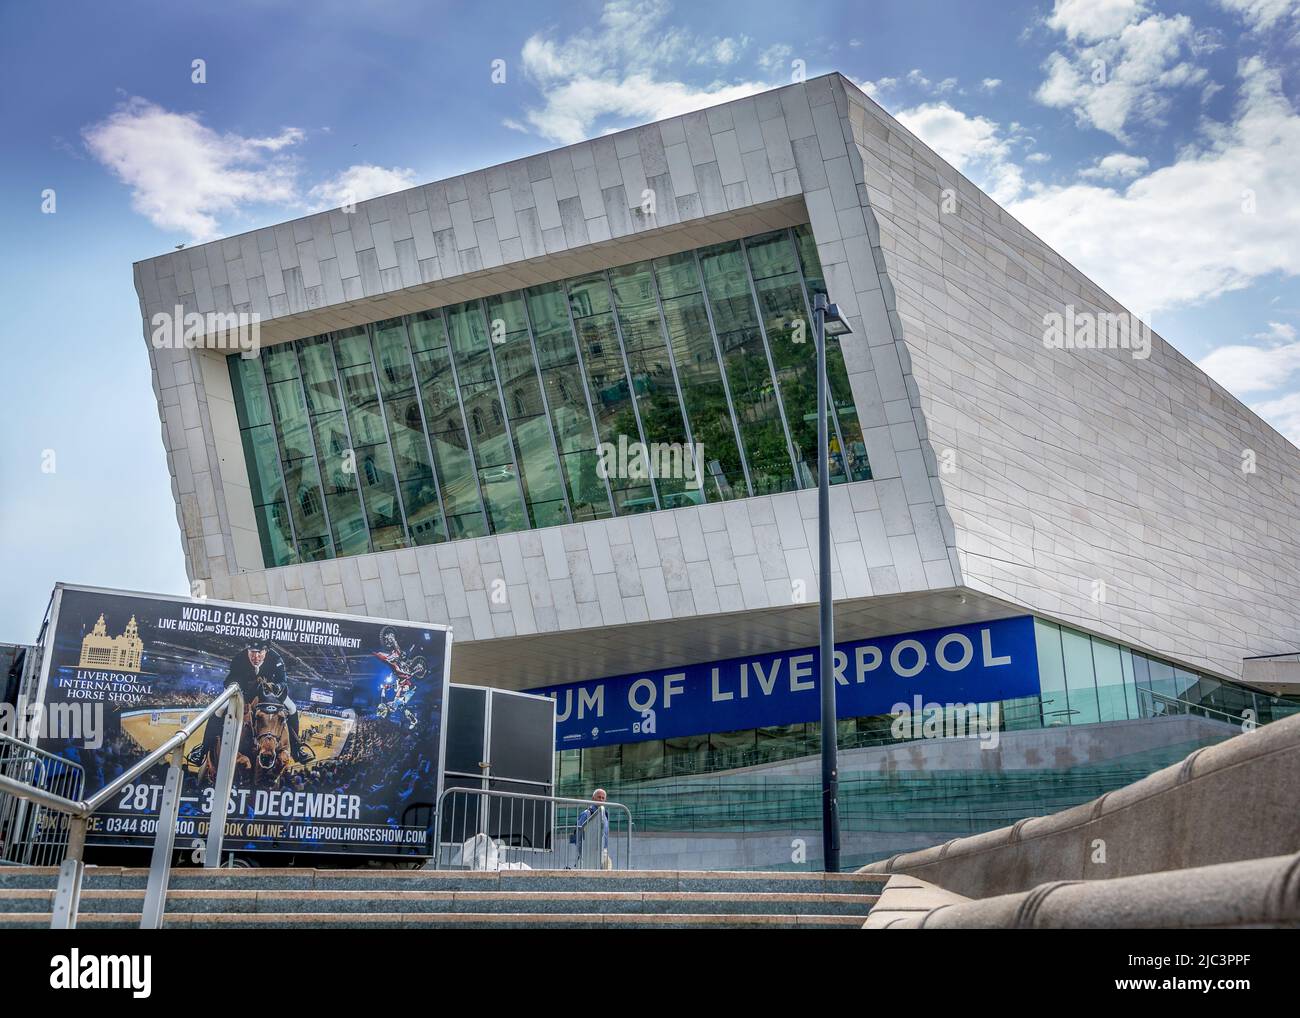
[(1085, 679), (675, 381)]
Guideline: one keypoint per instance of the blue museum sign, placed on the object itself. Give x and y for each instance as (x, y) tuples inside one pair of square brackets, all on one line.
[(975, 663)]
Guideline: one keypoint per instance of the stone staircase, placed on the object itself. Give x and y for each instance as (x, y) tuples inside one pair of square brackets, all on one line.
[(112, 897)]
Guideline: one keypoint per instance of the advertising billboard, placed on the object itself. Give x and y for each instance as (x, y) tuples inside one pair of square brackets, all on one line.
[(342, 729), (974, 663)]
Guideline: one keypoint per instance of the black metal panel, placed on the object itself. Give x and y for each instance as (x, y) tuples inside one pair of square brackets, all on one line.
[(522, 741), (468, 706)]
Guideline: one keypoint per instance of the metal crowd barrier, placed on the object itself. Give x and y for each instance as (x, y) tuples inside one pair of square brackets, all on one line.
[(480, 829), (32, 834)]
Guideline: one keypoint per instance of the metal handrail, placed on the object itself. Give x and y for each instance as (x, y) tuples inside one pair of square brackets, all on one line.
[(1189, 707), (67, 898), (550, 801)]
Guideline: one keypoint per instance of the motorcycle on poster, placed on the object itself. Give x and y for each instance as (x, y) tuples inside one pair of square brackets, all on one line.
[(340, 742)]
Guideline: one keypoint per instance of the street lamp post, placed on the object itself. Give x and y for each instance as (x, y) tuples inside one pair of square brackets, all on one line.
[(826, 320)]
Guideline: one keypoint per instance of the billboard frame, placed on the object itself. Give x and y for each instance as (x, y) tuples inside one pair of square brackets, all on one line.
[(51, 627)]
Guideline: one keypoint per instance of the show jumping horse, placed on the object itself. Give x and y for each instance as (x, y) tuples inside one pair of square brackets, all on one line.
[(263, 745)]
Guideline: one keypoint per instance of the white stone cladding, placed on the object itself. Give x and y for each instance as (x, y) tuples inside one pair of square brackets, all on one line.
[(1200, 561), (1074, 469)]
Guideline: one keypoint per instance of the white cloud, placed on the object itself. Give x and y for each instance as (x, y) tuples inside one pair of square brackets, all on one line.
[(1184, 233), (1261, 15), (357, 183), (1090, 20), (1244, 369), (973, 144), (1111, 78), (725, 51), (183, 174), (1116, 166), (990, 84), (617, 70), (920, 82), (776, 59), (573, 108), (1283, 413), (874, 88)]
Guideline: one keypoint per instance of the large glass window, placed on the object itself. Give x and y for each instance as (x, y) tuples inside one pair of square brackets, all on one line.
[(708, 404), (334, 454), (1085, 679), (372, 459), (677, 380), (493, 451), (1079, 678), (777, 283), (445, 420), (302, 487), (748, 369), (266, 483), (566, 398), (412, 459), (1051, 674), (1112, 702), (617, 422), (534, 445)]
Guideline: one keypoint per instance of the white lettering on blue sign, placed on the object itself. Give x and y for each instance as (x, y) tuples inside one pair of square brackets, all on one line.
[(941, 665)]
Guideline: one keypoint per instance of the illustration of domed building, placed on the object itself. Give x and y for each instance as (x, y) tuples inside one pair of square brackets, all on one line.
[(118, 653)]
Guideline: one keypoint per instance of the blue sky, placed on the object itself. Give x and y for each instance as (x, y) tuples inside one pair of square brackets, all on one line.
[(1155, 144)]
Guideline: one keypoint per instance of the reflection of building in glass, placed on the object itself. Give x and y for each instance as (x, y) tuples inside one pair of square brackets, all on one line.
[(482, 417), (117, 653)]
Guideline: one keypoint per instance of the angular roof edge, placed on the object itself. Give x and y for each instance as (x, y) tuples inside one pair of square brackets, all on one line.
[(496, 166)]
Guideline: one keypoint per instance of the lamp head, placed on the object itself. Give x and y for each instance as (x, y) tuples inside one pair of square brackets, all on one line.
[(835, 323)]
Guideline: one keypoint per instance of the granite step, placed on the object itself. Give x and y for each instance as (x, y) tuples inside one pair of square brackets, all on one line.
[(389, 881), (113, 897), (276, 902), (446, 920)]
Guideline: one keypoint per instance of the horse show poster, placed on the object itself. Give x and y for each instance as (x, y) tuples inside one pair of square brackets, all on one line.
[(340, 742)]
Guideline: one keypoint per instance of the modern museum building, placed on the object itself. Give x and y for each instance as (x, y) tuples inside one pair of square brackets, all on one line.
[(567, 406)]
